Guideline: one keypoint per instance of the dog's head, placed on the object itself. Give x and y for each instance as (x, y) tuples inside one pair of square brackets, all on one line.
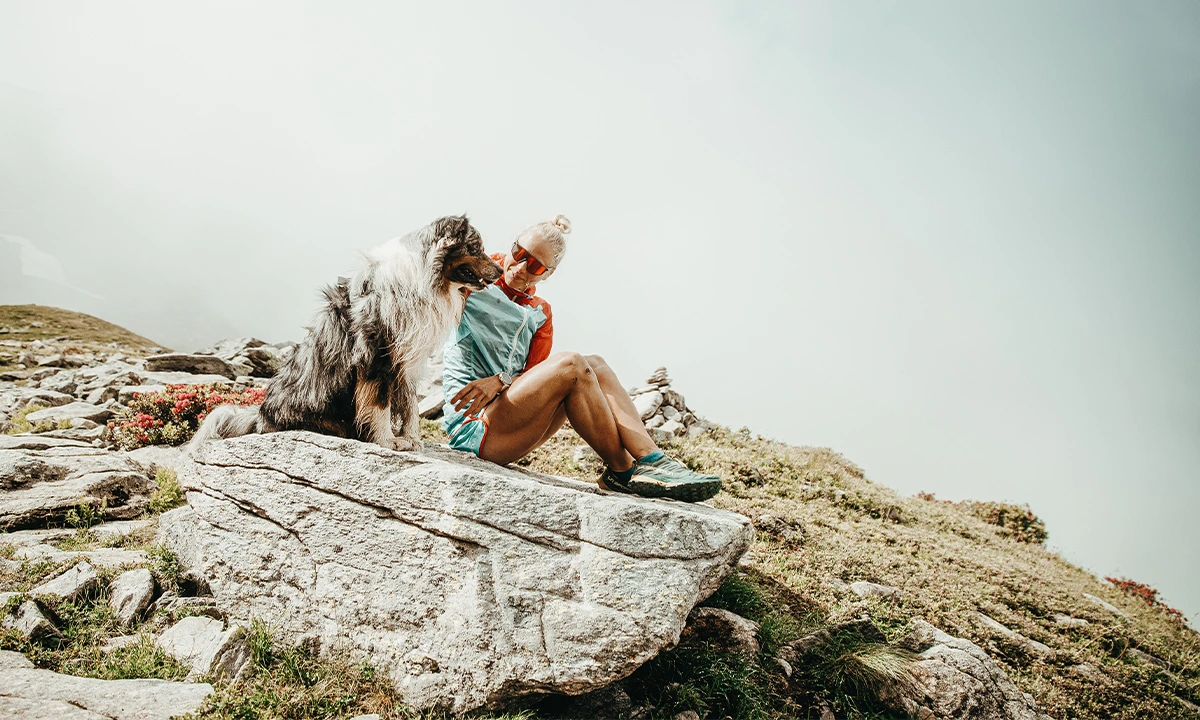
[(460, 249)]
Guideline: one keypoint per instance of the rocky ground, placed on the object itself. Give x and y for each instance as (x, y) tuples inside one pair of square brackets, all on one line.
[(295, 575)]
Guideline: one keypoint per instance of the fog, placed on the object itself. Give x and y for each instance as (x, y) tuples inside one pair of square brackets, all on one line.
[(957, 242)]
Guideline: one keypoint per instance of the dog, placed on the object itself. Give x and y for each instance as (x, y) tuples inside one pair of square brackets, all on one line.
[(362, 359)]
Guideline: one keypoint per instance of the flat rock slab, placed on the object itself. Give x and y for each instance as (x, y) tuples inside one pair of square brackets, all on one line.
[(38, 487), (195, 364), (39, 441), (470, 583), (71, 411), (43, 690)]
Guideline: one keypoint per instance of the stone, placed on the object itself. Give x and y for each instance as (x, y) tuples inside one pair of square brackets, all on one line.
[(205, 646), (673, 428), (954, 679), (39, 693), (1033, 647), (194, 364), (60, 361), (62, 382), (126, 394), (1104, 604), (688, 715), (39, 486), (1068, 621), (865, 589), (674, 400), (724, 629), (648, 404), (130, 594), (670, 413), (655, 422), (70, 411), (120, 643), (430, 407), (101, 395), (467, 582), (100, 557), (28, 620), (643, 390), (77, 580), (372, 716), (20, 398)]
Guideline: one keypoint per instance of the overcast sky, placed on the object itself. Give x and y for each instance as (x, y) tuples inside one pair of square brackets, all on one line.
[(958, 242)]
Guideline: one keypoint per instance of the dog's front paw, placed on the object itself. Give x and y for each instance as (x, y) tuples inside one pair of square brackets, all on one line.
[(404, 444)]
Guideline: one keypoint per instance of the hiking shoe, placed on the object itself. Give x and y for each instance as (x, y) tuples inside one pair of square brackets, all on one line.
[(664, 478)]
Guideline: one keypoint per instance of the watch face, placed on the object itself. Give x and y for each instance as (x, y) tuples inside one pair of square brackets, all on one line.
[(506, 378)]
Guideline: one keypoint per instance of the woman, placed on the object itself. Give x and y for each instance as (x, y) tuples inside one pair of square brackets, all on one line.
[(506, 394)]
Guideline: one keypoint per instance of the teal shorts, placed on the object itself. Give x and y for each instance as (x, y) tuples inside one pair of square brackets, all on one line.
[(470, 435)]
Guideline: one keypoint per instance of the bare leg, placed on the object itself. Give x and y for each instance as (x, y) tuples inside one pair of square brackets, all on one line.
[(564, 387), (634, 435)]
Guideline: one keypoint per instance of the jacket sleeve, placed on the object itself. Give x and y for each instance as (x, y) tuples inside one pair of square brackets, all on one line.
[(543, 339)]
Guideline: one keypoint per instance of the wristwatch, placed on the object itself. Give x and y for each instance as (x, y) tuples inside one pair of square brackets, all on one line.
[(506, 379)]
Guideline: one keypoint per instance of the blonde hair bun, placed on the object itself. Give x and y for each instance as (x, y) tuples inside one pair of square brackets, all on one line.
[(563, 224)]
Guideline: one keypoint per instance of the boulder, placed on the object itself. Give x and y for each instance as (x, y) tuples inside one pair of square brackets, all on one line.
[(724, 629), (204, 645), (865, 589), (76, 581), (13, 399), (37, 693), (39, 486), (194, 364), (672, 428), (71, 411), (28, 620), (953, 679), (647, 404), (130, 594), (468, 582)]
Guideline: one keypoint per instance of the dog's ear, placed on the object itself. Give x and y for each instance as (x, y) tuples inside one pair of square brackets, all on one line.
[(452, 229)]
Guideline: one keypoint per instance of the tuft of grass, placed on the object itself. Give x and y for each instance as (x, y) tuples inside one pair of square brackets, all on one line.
[(168, 493), (164, 564), (87, 514), (19, 422)]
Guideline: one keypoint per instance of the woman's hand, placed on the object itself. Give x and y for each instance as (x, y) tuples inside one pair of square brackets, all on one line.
[(477, 394)]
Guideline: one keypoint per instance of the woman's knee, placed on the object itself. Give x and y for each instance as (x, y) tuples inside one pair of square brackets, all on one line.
[(571, 365), (596, 362)]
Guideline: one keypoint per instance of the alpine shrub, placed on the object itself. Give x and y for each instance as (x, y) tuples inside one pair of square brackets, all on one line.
[(171, 416)]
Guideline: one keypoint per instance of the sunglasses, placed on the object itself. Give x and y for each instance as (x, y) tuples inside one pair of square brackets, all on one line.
[(533, 266)]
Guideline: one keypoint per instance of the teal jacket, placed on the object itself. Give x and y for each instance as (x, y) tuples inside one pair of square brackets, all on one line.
[(493, 336)]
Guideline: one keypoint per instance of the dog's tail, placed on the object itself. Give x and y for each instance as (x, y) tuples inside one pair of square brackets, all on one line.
[(227, 421)]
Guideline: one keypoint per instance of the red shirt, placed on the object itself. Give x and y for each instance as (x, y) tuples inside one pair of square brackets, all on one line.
[(543, 339)]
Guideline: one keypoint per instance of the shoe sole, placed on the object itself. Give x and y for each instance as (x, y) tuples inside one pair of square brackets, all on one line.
[(686, 492)]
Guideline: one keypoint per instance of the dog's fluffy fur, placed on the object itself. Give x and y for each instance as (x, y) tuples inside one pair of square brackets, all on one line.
[(364, 356)]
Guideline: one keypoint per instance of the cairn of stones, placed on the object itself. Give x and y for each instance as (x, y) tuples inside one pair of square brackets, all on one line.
[(664, 410)]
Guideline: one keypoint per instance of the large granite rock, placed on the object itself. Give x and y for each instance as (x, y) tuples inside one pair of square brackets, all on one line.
[(39, 486), (954, 679), (470, 583)]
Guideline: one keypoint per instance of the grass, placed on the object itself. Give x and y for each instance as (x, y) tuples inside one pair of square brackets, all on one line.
[(19, 422), (168, 493)]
